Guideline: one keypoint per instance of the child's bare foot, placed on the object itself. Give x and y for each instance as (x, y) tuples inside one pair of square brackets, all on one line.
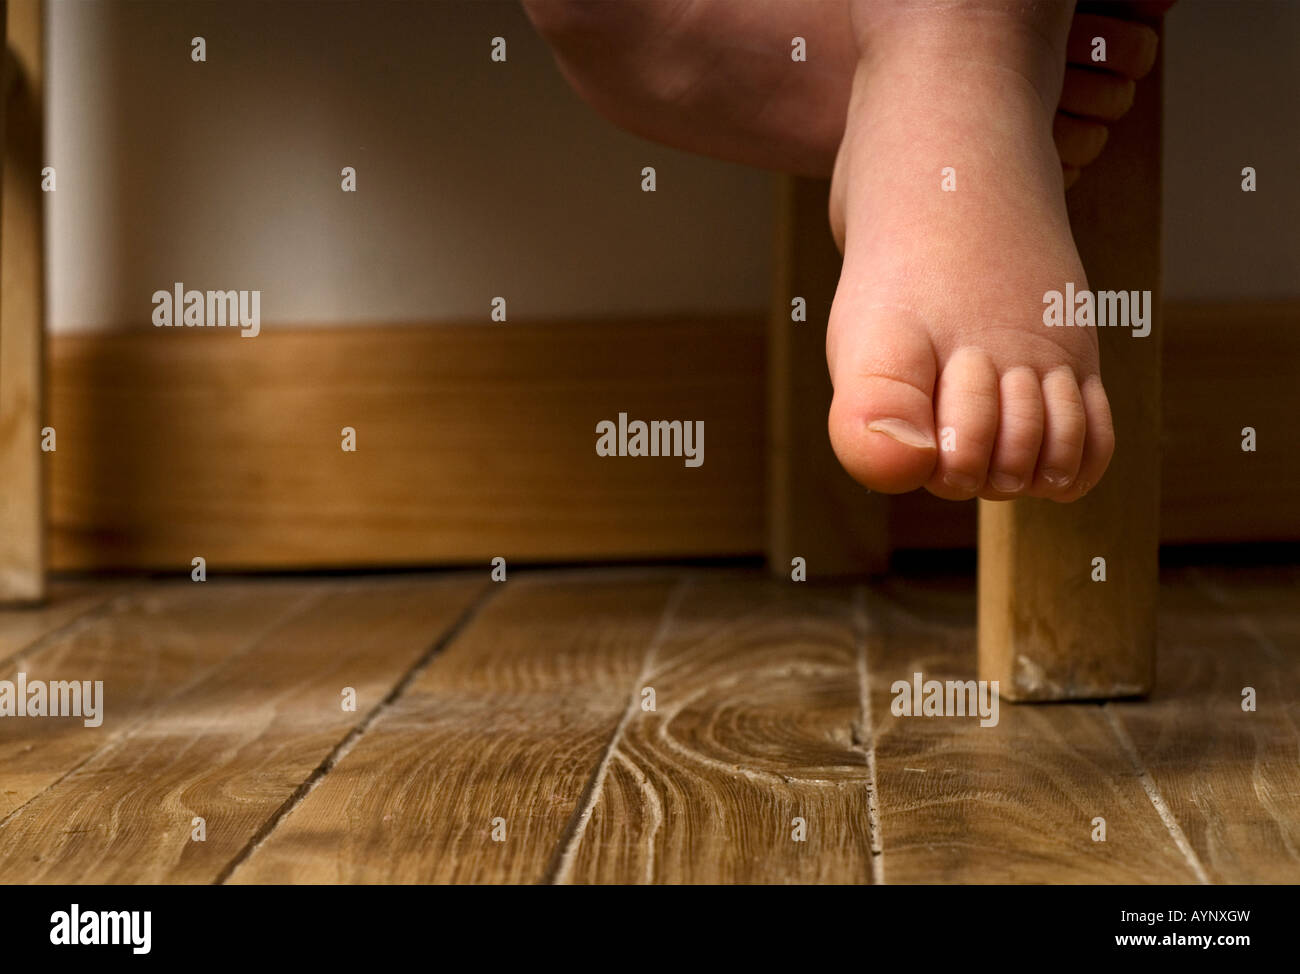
[(936, 336), (939, 290)]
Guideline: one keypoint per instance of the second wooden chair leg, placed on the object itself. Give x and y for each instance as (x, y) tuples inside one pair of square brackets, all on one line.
[(1067, 593)]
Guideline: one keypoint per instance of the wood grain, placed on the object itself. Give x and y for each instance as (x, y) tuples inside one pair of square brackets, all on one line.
[(234, 746), (473, 441), (69, 604), (1047, 630), (25, 26), (148, 645), (1229, 777), (510, 722), (1010, 803), (22, 521), (772, 702), (757, 700)]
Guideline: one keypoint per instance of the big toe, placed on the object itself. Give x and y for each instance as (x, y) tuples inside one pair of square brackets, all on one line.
[(882, 415)]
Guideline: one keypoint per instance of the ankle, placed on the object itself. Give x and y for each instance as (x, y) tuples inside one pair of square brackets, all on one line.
[(1028, 39)]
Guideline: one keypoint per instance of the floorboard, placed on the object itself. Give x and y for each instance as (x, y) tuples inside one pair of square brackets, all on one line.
[(748, 769), (146, 645), (503, 733), (1011, 802), (68, 604), (1229, 777), (237, 742)]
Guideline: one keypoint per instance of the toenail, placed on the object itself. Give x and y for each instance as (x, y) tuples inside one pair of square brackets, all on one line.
[(1004, 483), (1056, 479), (903, 432), (961, 481), (1083, 487)]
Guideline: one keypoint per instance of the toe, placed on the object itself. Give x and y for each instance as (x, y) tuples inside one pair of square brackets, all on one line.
[(1130, 47), (1096, 94), (1064, 428), (1020, 434), (1099, 438), (966, 413), (1078, 140), (881, 421)]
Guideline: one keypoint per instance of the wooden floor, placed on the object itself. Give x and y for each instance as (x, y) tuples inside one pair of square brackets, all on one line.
[(501, 735)]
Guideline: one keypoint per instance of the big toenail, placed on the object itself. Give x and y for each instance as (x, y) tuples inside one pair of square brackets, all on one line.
[(961, 481), (902, 431), (1056, 479), (1004, 483)]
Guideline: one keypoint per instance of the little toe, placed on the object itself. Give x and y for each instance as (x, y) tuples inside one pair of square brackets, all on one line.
[(1020, 434), (966, 413), (1099, 438)]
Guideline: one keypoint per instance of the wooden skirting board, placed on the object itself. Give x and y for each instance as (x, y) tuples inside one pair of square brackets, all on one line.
[(477, 441), (472, 442)]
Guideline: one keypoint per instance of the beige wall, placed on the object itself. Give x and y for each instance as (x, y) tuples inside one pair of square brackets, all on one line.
[(475, 179), (1233, 83), (479, 179)]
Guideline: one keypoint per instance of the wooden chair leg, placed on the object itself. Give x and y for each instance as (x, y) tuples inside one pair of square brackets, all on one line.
[(815, 510), (1049, 627), (22, 522)]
